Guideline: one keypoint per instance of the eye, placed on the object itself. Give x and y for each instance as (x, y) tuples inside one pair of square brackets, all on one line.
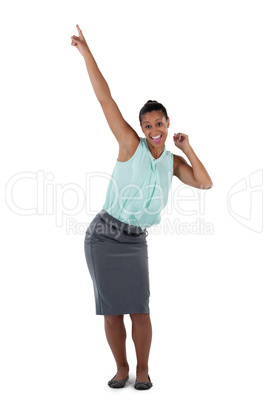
[(159, 123), (147, 126)]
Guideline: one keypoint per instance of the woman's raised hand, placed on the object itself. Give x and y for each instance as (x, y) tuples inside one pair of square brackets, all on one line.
[(181, 141), (79, 42)]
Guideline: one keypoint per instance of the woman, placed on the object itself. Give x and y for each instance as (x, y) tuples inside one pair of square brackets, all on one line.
[(115, 241)]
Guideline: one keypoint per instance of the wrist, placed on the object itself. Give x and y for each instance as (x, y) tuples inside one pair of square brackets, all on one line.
[(87, 54), (188, 150)]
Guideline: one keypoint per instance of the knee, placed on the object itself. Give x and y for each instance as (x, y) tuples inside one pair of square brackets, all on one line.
[(139, 319), (113, 320)]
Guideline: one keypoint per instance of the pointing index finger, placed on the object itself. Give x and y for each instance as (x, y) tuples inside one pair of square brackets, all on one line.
[(79, 30)]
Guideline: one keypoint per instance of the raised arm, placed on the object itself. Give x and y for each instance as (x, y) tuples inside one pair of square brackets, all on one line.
[(122, 131)]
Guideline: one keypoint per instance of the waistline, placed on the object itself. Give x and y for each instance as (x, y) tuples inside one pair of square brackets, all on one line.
[(122, 226)]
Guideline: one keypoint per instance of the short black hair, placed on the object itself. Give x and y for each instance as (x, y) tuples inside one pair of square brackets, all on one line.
[(150, 106)]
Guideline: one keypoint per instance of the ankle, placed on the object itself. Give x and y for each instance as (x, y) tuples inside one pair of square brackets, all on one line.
[(142, 373), (142, 369), (122, 366)]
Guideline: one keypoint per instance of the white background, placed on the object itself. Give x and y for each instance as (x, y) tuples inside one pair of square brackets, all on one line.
[(207, 63)]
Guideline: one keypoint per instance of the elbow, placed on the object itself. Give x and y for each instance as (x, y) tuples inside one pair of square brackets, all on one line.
[(206, 186), (104, 99)]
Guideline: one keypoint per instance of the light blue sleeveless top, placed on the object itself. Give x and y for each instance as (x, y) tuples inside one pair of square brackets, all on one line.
[(138, 188)]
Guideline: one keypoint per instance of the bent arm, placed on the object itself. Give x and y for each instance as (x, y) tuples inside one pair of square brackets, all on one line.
[(195, 175)]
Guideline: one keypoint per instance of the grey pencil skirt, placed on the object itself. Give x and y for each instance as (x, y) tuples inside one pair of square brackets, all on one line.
[(117, 258)]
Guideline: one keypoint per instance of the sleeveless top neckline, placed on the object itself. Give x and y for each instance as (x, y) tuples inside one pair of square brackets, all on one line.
[(155, 159)]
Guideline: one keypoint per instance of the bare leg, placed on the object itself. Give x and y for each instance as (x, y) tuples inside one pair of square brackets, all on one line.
[(142, 337), (116, 336)]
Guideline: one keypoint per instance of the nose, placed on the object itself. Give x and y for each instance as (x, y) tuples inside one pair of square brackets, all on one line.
[(156, 131)]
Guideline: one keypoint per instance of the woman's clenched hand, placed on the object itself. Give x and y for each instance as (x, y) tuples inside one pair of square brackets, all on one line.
[(181, 141)]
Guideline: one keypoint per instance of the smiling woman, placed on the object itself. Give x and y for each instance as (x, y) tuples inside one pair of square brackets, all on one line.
[(154, 123), (115, 243)]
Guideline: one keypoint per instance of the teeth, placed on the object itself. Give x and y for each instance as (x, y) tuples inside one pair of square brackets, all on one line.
[(157, 136)]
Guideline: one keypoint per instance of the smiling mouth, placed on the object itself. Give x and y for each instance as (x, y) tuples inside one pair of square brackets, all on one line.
[(157, 139)]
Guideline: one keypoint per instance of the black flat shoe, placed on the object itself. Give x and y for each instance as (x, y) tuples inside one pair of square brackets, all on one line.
[(118, 383), (143, 384)]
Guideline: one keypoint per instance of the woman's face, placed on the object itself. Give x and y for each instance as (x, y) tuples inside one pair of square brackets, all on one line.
[(155, 127)]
